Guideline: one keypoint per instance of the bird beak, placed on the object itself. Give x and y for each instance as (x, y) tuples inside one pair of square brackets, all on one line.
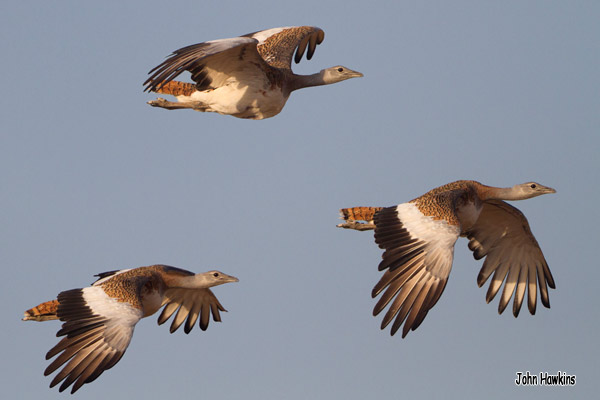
[(232, 279), (549, 190), (356, 74)]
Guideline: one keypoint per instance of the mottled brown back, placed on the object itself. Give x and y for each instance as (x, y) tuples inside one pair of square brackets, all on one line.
[(278, 50)]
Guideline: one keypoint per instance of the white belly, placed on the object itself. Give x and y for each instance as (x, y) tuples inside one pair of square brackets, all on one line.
[(240, 101)]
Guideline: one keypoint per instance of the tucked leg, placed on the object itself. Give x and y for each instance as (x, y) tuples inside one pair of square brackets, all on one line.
[(171, 105), (358, 226)]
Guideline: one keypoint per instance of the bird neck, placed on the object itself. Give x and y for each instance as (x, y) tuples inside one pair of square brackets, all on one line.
[(302, 81), (495, 193), (197, 281)]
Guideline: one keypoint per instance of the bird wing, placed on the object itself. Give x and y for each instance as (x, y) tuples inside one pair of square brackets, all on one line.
[(277, 45), (418, 258), (211, 64), (190, 303), (104, 276), (502, 235), (97, 331)]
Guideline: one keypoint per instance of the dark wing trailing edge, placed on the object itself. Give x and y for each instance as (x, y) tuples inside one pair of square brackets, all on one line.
[(312, 40), (417, 269), (94, 341), (210, 63), (502, 235), (190, 304)]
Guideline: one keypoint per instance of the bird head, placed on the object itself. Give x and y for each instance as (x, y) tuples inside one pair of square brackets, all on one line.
[(338, 74), (533, 189), (218, 278)]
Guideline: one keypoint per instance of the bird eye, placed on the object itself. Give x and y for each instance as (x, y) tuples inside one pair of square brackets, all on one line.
[(216, 274), (533, 186), (340, 69)]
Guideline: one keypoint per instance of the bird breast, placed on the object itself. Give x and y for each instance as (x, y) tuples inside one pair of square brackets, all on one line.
[(151, 301), (468, 213)]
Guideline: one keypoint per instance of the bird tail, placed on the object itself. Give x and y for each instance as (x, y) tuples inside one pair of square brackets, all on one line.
[(42, 312), (351, 215), (359, 213), (177, 88)]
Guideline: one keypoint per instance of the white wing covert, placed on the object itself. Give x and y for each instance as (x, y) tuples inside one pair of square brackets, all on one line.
[(418, 258), (97, 332)]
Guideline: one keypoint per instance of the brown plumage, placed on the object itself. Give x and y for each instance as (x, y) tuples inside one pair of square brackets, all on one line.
[(177, 88), (359, 213), (98, 321), (352, 217), (247, 77), (418, 238), (45, 311)]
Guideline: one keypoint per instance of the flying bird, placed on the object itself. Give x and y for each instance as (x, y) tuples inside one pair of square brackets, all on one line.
[(248, 76), (419, 236), (99, 320)]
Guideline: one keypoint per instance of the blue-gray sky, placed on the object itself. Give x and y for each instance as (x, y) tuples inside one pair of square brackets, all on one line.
[(93, 179)]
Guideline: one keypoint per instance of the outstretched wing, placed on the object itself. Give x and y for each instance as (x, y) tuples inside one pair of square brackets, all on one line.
[(277, 45), (97, 331), (418, 258), (210, 63), (502, 235), (190, 304)]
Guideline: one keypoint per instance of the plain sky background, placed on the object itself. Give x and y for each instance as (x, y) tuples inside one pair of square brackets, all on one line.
[(92, 179)]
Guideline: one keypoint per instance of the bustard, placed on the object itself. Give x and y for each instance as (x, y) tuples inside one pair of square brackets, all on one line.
[(99, 320), (419, 236), (248, 76)]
